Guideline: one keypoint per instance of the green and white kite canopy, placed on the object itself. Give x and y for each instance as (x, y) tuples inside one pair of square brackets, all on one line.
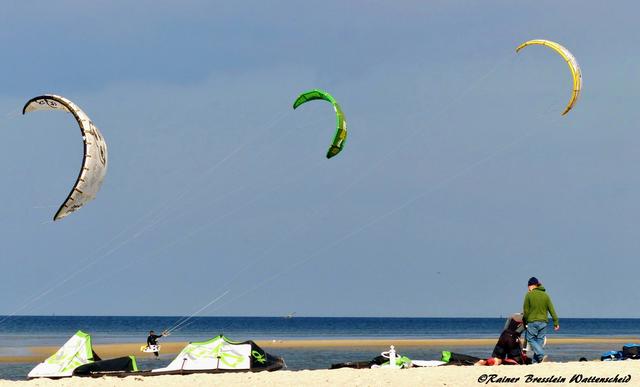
[(74, 353), (77, 358), (341, 124), (218, 353)]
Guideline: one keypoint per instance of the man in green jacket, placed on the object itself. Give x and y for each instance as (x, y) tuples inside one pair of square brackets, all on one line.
[(537, 304)]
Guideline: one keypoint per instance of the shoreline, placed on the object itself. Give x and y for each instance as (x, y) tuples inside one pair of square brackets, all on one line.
[(39, 353)]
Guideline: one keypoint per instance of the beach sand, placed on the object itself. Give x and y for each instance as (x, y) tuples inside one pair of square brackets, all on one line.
[(436, 376), (38, 354)]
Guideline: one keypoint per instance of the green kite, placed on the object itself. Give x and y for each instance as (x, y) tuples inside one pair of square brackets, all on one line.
[(341, 124)]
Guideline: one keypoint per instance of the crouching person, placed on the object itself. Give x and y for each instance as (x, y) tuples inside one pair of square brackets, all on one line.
[(508, 349)]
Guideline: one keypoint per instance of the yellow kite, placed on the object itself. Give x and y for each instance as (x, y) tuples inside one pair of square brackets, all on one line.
[(571, 61)]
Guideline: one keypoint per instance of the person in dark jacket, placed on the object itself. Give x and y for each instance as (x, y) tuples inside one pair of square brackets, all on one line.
[(508, 349), (537, 304), (152, 340)]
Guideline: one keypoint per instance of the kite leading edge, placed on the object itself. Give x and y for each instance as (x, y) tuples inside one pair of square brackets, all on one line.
[(576, 73)]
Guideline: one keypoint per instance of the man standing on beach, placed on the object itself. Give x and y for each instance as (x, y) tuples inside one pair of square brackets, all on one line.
[(536, 305), (152, 340)]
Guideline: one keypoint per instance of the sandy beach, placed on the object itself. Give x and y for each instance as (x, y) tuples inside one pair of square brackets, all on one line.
[(37, 354), (546, 374)]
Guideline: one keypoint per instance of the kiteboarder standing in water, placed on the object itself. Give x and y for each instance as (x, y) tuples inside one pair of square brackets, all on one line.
[(152, 340)]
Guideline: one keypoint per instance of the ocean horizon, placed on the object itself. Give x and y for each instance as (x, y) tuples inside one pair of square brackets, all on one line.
[(49, 330)]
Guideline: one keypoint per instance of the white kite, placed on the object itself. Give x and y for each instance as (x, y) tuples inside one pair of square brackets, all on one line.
[(94, 162)]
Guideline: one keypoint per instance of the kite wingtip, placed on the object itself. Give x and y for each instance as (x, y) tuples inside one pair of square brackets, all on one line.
[(333, 151)]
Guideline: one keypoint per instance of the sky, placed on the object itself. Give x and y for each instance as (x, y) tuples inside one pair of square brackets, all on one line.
[(459, 179)]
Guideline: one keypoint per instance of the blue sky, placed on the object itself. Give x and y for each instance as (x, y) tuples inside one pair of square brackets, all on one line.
[(459, 179)]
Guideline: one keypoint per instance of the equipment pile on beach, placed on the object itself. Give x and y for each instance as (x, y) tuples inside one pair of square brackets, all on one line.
[(220, 354)]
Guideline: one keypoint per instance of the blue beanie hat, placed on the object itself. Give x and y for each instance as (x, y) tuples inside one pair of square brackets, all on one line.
[(533, 281)]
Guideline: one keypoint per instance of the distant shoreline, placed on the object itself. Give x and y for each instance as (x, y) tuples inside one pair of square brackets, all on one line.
[(39, 353)]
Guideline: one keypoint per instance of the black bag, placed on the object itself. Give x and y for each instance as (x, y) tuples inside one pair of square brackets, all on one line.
[(631, 351), (452, 358), (378, 360)]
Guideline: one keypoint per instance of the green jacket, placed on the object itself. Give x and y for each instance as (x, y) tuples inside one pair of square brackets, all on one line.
[(536, 304)]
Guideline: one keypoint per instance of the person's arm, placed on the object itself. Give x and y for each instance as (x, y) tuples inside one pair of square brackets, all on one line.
[(525, 308), (552, 311)]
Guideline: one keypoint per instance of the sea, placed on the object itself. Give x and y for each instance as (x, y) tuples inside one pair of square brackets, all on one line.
[(17, 333)]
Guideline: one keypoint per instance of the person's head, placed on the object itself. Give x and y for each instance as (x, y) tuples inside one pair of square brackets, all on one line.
[(152, 333), (533, 283)]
